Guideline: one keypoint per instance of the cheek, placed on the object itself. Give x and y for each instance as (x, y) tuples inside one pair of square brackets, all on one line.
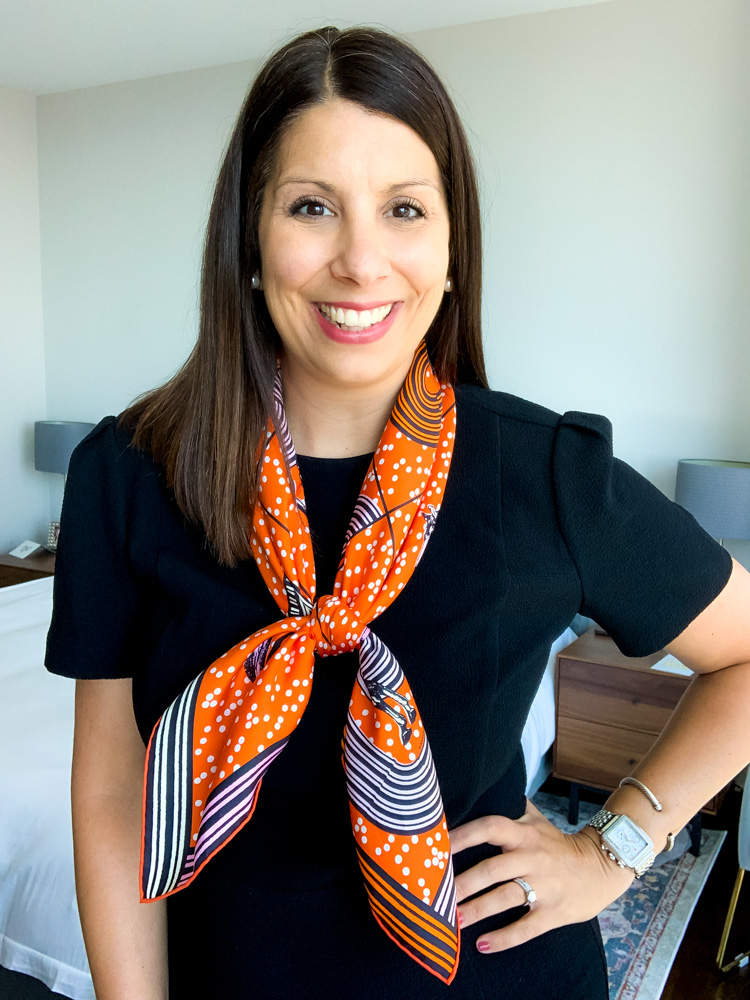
[(425, 264), (289, 263)]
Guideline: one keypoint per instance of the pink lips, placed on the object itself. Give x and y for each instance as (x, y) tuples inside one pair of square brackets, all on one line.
[(372, 333)]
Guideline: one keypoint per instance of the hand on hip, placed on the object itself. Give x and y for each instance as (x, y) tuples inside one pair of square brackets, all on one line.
[(564, 878)]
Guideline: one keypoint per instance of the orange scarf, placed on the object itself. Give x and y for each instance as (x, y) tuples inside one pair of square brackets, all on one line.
[(209, 751)]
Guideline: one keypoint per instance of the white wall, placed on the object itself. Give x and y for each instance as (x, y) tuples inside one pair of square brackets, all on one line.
[(24, 493), (614, 145), (126, 174), (614, 152)]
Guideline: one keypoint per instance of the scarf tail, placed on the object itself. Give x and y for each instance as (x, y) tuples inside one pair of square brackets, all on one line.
[(397, 814), (181, 833), (208, 753)]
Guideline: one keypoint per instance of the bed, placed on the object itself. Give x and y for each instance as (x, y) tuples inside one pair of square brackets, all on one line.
[(40, 932)]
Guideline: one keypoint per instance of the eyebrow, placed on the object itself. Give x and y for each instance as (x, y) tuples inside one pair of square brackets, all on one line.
[(330, 189)]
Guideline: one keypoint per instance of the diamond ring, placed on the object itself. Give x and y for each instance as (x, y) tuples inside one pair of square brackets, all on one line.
[(530, 894)]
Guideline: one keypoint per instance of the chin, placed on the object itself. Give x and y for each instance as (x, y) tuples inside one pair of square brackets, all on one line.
[(371, 369)]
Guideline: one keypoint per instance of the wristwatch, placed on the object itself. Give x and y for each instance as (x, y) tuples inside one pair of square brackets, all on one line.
[(624, 841)]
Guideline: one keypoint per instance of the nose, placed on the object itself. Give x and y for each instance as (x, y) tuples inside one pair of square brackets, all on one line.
[(360, 257)]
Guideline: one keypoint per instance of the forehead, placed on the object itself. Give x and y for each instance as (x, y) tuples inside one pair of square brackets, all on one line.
[(340, 142)]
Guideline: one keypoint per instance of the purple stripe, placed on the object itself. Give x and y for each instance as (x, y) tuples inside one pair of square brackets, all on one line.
[(213, 830), (220, 797)]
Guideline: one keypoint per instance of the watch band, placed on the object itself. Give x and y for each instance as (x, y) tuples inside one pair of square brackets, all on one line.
[(601, 820)]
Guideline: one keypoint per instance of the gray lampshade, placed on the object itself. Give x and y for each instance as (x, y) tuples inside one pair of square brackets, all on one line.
[(717, 494), (54, 441)]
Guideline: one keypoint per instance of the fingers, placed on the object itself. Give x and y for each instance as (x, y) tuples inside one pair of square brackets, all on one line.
[(504, 897), (566, 871), (500, 868), (497, 830), (523, 930)]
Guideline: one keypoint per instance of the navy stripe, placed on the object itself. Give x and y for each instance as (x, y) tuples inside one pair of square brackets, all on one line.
[(234, 797)]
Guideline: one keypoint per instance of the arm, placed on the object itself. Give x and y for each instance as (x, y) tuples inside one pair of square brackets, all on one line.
[(706, 742), (126, 941), (707, 739)]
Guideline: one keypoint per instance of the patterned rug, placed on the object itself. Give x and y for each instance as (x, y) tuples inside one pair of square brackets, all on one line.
[(642, 930)]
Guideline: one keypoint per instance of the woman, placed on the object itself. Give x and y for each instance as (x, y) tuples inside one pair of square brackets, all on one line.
[(336, 406)]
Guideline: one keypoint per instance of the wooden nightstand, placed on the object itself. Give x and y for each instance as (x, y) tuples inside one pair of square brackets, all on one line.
[(609, 710), (38, 564)]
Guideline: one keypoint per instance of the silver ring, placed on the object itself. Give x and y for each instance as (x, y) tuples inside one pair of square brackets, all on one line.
[(530, 894)]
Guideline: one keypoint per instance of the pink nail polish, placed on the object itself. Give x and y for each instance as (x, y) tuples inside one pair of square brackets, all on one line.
[(460, 919), (483, 945)]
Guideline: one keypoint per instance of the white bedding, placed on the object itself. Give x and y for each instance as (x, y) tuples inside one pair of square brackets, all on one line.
[(40, 932)]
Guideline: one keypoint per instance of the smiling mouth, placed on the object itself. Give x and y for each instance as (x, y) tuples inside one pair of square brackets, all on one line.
[(352, 321)]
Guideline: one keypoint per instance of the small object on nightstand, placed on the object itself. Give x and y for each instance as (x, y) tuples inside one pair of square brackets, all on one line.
[(671, 665), (24, 549)]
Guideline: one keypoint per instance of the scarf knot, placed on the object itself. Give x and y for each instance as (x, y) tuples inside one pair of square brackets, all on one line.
[(335, 626), (209, 751)]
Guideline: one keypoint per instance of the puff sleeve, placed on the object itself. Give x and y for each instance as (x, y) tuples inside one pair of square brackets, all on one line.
[(646, 567)]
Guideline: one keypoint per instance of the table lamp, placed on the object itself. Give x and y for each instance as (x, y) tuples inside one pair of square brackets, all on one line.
[(54, 441), (717, 494)]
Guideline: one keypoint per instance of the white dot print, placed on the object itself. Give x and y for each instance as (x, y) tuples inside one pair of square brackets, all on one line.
[(374, 568)]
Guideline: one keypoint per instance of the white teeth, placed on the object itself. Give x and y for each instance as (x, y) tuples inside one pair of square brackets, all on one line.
[(353, 319)]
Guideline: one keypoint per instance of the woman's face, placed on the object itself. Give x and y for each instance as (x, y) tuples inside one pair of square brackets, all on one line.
[(354, 237)]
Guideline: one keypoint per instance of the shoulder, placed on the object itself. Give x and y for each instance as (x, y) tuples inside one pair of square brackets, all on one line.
[(512, 409), (107, 466), (110, 446), (475, 399)]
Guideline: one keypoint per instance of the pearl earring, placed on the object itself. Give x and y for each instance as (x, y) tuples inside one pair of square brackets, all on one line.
[(255, 281), (448, 284)]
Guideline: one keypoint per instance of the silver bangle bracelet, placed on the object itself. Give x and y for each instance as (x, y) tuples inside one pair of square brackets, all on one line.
[(646, 791), (654, 802)]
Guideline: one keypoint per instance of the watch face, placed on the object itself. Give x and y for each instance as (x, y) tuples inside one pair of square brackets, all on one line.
[(626, 839)]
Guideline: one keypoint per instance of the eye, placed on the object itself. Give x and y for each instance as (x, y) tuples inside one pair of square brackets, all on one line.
[(408, 211), (308, 208)]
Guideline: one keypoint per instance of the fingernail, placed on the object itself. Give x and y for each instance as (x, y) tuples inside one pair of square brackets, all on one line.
[(460, 919), (483, 945)]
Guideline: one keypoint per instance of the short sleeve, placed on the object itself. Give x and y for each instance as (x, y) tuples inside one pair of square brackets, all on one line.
[(646, 567), (97, 595)]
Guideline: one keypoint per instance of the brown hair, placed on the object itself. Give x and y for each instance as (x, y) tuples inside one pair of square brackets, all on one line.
[(204, 425)]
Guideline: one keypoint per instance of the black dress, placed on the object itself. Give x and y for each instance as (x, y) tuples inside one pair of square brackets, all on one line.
[(538, 522)]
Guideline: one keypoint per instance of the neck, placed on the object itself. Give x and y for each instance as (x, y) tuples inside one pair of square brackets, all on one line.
[(334, 422)]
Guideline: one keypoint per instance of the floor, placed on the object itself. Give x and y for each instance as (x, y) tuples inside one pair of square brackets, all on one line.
[(694, 975)]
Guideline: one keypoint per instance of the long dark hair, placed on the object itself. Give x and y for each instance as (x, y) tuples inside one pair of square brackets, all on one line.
[(204, 425)]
